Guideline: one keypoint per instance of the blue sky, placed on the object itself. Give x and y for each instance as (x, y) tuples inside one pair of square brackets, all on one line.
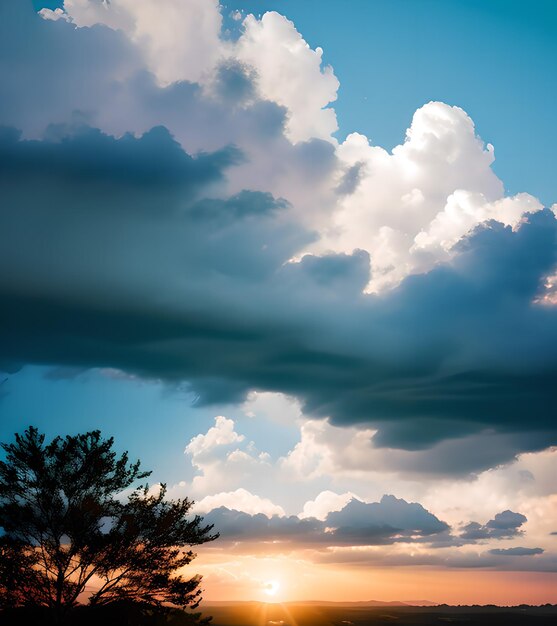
[(301, 259)]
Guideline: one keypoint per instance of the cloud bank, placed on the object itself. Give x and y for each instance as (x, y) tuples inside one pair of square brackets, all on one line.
[(175, 206)]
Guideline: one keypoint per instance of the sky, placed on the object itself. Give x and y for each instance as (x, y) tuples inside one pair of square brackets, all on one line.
[(300, 259)]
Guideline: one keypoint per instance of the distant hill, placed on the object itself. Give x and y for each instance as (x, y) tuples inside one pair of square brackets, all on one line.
[(354, 604), (365, 603)]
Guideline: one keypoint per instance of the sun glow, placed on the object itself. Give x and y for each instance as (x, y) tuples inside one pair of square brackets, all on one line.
[(271, 587)]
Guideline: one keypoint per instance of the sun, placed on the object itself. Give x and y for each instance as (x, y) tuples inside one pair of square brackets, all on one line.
[(271, 587)]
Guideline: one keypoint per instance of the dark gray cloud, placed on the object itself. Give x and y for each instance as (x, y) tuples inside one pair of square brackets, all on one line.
[(386, 522), (239, 526), (84, 157), (48, 73), (516, 551), (400, 517), (504, 525), (234, 83), (124, 253), (350, 180)]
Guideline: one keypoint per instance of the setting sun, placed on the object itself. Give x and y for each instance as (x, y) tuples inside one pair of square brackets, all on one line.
[(271, 587)]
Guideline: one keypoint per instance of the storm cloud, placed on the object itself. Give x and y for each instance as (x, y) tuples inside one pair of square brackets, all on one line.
[(124, 253), (184, 229)]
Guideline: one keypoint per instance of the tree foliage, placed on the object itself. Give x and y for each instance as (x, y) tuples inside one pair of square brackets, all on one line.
[(71, 535)]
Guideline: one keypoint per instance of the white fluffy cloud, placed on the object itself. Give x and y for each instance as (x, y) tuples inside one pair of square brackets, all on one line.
[(290, 73), (325, 503), (221, 434), (276, 407), (408, 208), (239, 500), (224, 460), (180, 39), (336, 464)]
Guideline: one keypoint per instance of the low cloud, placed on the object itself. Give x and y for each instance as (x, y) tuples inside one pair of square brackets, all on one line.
[(504, 525), (446, 558), (516, 551), (388, 521)]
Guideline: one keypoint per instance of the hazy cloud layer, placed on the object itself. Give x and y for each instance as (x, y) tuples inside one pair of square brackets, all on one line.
[(512, 560), (391, 532)]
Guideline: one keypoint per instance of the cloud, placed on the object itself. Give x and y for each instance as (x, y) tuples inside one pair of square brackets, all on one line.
[(236, 526), (504, 525), (516, 551), (179, 40), (410, 207), (325, 503), (290, 74), (208, 258), (386, 522), (85, 156), (443, 558), (221, 434), (231, 250), (223, 459), (239, 500), (408, 519)]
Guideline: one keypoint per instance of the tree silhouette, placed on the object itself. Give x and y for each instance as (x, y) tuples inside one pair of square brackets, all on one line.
[(71, 535)]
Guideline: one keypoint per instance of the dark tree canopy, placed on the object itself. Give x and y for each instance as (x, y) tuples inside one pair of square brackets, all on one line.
[(71, 535)]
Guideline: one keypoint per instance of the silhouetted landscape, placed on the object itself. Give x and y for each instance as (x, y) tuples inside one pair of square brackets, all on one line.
[(376, 613), (312, 613)]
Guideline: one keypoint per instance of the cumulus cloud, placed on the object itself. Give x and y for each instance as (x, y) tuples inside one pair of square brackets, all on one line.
[(207, 259), (348, 453), (179, 39), (239, 500), (221, 434), (408, 519), (409, 207), (388, 521), (504, 525), (223, 459), (325, 503), (290, 73)]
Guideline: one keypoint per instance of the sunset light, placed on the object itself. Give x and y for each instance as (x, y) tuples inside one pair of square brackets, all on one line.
[(271, 587)]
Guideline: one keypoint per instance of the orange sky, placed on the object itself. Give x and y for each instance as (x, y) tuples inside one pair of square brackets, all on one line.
[(248, 578)]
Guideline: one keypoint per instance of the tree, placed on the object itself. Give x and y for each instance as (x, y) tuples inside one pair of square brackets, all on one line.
[(71, 535)]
